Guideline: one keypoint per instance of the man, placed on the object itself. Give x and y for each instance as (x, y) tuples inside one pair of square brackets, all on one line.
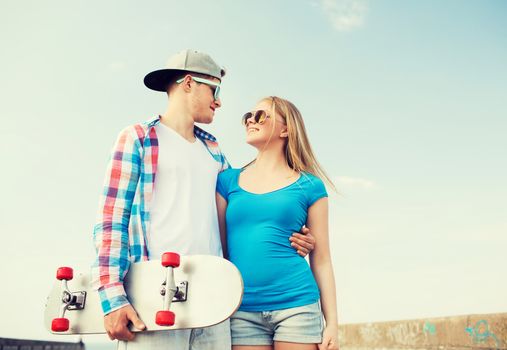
[(159, 195)]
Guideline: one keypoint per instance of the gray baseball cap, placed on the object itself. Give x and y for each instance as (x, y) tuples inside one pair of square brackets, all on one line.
[(186, 61)]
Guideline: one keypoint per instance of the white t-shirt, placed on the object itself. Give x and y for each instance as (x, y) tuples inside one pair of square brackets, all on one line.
[(183, 214)]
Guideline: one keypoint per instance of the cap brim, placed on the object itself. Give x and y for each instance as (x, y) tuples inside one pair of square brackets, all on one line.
[(159, 79)]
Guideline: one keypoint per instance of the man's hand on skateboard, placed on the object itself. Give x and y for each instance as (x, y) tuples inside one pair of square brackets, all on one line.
[(303, 241), (116, 323)]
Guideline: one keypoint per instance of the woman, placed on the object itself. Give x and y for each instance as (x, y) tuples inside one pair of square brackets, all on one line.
[(259, 206)]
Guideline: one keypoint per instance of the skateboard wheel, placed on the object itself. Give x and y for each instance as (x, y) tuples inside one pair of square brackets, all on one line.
[(60, 325), (64, 273), (165, 318), (170, 259)]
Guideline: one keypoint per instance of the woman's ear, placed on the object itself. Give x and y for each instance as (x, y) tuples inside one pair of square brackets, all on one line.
[(284, 133)]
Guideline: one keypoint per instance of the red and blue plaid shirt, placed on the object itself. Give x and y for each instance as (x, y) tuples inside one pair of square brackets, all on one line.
[(124, 211)]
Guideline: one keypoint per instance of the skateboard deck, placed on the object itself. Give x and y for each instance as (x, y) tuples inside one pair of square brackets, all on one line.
[(208, 290)]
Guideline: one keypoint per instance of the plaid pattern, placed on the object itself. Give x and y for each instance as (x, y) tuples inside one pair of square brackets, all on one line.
[(124, 215)]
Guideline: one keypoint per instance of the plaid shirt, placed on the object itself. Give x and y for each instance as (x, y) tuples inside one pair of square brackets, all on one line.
[(124, 210)]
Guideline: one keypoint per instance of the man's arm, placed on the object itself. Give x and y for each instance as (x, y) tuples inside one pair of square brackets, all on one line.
[(303, 241), (111, 236)]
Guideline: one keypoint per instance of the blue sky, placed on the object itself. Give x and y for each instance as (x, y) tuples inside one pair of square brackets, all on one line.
[(404, 103)]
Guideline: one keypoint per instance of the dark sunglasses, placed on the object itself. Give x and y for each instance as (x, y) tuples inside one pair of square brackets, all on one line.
[(259, 116)]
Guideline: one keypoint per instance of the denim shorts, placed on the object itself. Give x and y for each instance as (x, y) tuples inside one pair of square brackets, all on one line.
[(210, 338), (302, 324)]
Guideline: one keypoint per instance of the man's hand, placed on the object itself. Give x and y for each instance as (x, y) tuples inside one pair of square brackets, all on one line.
[(303, 242), (116, 323)]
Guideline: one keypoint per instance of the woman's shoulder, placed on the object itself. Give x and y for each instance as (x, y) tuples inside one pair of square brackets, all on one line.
[(312, 182), (313, 187), (228, 173), (310, 178), (226, 181)]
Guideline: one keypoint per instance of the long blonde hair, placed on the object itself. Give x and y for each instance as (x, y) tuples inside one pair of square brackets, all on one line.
[(298, 151)]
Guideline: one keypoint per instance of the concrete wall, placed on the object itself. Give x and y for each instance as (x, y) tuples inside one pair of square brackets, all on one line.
[(460, 332), (22, 344)]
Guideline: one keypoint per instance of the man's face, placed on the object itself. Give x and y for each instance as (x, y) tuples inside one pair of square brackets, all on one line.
[(204, 103)]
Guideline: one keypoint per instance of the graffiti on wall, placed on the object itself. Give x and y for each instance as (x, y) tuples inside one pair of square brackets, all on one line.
[(480, 333), (429, 328)]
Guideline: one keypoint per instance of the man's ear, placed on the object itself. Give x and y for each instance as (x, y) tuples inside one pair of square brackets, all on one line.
[(186, 83)]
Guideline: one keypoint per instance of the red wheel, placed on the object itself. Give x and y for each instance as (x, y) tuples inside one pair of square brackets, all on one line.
[(60, 325), (170, 259), (64, 273), (165, 318)]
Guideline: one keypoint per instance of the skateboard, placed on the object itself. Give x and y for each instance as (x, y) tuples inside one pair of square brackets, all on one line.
[(193, 291)]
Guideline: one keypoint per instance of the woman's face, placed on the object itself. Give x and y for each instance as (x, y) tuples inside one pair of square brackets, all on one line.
[(263, 128)]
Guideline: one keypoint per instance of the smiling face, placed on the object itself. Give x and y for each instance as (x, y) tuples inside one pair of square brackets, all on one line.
[(265, 130)]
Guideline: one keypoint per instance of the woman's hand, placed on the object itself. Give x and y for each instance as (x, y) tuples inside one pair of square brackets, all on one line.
[(329, 338)]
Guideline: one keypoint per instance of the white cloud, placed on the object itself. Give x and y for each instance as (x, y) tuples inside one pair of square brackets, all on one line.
[(345, 15), (355, 182)]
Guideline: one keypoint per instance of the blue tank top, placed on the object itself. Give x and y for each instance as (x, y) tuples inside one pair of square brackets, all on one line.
[(258, 230)]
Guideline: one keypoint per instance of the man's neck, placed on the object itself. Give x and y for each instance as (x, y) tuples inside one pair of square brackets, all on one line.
[(180, 121)]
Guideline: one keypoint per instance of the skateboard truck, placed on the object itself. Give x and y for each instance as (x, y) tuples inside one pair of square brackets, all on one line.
[(70, 300), (181, 291), (169, 290)]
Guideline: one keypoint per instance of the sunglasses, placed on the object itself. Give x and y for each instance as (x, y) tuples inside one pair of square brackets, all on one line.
[(259, 116), (215, 87)]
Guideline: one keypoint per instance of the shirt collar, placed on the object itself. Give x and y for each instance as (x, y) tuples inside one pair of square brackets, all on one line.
[(198, 132)]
